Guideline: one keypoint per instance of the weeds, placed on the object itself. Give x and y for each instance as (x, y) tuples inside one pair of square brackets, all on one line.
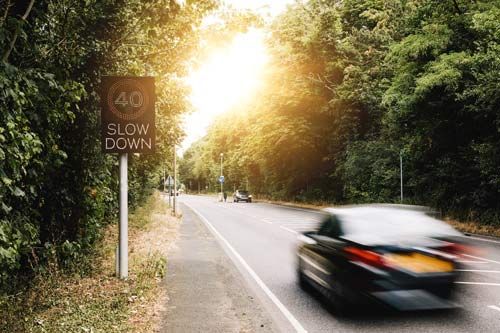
[(94, 300)]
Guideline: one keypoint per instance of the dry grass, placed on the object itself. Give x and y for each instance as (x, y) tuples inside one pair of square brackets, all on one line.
[(153, 242), (100, 302), (475, 228)]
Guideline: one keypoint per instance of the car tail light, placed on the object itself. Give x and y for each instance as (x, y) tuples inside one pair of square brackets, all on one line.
[(368, 257), (458, 249)]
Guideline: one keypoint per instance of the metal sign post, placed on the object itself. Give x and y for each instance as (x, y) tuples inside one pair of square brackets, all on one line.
[(123, 236), (175, 180), (221, 177), (127, 126), (169, 183), (221, 181)]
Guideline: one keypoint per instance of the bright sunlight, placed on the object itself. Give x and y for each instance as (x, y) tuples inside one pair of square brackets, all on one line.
[(228, 77)]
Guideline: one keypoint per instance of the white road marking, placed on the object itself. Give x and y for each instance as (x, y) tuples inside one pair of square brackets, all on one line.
[(297, 226), (310, 228), (483, 239), (289, 230), (479, 283), (483, 259), (477, 271), (295, 323), (267, 221), (494, 307), (314, 211), (290, 220), (472, 262)]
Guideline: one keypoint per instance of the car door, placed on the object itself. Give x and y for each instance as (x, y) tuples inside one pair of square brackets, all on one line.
[(322, 256)]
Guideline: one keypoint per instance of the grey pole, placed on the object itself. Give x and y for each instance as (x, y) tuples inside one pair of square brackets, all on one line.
[(222, 174), (175, 180), (123, 241), (169, 194), (401, 172)]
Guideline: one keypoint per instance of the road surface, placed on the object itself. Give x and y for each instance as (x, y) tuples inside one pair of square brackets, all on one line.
[(261, 241)]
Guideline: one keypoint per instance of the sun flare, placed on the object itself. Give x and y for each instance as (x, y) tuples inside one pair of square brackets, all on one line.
[(227, 78)]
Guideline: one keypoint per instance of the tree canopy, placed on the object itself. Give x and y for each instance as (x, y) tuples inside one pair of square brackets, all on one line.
[(353, 85), (57, 188)]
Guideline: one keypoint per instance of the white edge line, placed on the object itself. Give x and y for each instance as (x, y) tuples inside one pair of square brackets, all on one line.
[(494, 307), (295, 323), (289, 230), (478, 283)]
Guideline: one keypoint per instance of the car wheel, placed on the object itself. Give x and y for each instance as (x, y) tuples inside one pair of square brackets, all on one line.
[(338, 303), (303, 282)]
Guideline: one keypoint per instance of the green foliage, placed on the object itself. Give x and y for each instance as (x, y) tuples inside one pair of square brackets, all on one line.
[(354, 83), (57, 188)]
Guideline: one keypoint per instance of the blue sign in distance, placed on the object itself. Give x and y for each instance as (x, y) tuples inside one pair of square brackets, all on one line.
[(221, 179)]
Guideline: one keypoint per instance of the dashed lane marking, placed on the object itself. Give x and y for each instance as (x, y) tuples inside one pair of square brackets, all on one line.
[(479, 283), (289, 230), (484, 239), (472, 262), (494, 307), (483, 259), (477, 271)]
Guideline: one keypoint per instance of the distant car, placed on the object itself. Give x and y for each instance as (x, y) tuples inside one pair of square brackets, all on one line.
[(392, 254), (241, 195)]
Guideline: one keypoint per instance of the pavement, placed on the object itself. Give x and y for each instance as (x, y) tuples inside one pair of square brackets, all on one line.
[(205, 289), (244, 253)]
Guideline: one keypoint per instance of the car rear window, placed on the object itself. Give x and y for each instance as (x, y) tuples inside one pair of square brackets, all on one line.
[(387, 222)]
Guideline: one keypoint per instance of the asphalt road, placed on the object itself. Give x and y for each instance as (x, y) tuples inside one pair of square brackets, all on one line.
[(261, 241)]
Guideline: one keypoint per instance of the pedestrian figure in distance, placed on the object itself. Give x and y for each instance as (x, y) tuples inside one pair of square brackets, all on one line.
[(225, 196)]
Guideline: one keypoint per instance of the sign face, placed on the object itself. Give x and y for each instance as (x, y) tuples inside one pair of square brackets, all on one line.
[(221, 179), (169, 181), (128, 114)]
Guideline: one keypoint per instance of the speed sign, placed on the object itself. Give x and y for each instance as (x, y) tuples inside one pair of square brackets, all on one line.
[(128, 114)]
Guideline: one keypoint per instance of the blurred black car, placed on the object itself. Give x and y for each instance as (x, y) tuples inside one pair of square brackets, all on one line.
[(241, 195), (393, 254)]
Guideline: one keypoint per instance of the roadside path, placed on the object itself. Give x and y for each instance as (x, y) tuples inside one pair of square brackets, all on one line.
[(205, 289)]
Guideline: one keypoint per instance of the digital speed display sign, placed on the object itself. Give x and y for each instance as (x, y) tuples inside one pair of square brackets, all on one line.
[(128, 114)]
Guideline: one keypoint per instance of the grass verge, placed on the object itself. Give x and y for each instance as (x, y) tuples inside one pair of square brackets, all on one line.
[(99, 302)]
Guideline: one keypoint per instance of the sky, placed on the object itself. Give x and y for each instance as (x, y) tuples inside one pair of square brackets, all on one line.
[(230, 74), (272, 7)]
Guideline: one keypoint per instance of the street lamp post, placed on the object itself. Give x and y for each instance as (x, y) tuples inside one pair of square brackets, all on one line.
[(401, 172)]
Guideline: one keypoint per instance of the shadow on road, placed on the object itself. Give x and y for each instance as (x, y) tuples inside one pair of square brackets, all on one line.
[(382, 316)]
